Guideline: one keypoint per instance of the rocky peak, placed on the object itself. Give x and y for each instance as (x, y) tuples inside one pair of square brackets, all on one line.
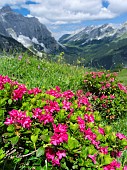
[(26, 30), (6, 9)]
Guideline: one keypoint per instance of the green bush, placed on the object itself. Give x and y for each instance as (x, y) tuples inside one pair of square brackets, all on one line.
[(106, 94), (54, 130)]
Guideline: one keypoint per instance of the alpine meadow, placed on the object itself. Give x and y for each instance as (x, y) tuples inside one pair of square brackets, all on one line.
[(63, 90)]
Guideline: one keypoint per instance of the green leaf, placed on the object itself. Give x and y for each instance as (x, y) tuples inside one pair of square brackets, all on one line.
[(14, 140), (10, 101), (40, 168), (2, 154), (107, 159), (40, 152), (124, 142), (36, 131), (72, 143), (34, 138), (10, 128), (2, 114), (74, 126)]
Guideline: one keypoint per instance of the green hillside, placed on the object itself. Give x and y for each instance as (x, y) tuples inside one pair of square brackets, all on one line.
[(99, 53)]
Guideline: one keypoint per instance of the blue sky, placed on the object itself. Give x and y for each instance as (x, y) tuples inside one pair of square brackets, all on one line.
[(69, 15)]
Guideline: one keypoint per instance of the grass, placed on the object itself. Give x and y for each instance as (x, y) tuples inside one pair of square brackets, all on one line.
[(122, 76), (42, 73)]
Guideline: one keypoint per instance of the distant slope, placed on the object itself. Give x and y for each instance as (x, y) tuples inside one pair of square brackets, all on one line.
[(104, 45)]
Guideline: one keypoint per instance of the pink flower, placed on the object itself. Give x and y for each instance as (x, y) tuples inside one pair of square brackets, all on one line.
[(4, 80), (112, 166), (108, 85), (122, 87), (95, 97), (37, 113), (111, 79), (34, 91), (81, 124), (66, 105), (108, 75), (50, 154), (112, 96), (61, 128), (61, 154), (103, 88), (46, 118), (125, 167), (52, 107), (104, 105), (121, 136), (56, 162), (83, 100), (60, 134), (92, 137), (18, 117), (89, 118), (116, 153), (19, 92), (68, 94), (55, 92), (104, 150), (54, 156), (93, 157), (71, 112), (79, 93), (101, 131), (88, 94), (95, 143), (103, 97), (9, 121)]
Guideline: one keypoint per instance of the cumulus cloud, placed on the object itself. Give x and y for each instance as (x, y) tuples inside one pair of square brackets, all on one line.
[(117, 6), (12, 2), (70, 11)]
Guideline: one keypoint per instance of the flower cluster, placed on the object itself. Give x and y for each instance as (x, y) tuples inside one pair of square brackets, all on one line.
[(34, 91), (60, 134), (105, 91), (19, 92), (52, 106), (42, 117), (4, 80), (18, 118), (66, 125), (112, 166), (122, 87), (54, 156)]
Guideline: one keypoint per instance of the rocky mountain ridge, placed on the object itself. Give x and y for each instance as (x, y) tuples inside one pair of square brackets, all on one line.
[(97, 46), (27, 30), (90, 33)]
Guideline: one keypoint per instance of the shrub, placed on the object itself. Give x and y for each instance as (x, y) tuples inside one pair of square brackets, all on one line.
[(54, 130), (106, 94)]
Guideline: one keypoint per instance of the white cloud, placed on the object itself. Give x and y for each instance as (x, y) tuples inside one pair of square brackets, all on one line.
[(12, 2), (117, 6), (68, 11)]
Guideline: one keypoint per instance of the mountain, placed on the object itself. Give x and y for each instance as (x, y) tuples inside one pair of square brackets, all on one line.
[(103, 45), (27, 30), (8, 43)]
